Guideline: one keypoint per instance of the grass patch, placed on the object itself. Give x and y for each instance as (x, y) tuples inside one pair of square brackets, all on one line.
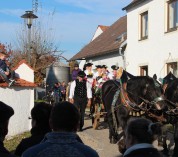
[(11, 144), (37, 101)]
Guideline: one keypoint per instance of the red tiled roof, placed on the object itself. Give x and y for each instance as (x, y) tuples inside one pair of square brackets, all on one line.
[(20, 63), (106, 42), (133, 4), (103, 28), (19, 82)]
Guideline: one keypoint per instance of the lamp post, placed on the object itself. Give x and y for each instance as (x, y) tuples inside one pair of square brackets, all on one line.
[(29, 16)]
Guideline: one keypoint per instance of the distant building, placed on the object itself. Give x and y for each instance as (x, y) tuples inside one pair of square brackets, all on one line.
[(100, 29), (107, 48)]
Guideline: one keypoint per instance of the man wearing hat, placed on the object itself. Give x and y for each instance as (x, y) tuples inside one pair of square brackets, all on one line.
[(112, 75), (80, 94), (89, 72), (5, 113), (104, 70), (97, 74), (75, 71)]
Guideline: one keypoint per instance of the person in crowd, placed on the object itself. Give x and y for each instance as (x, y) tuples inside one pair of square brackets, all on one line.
[(57, 92), (5, 72), (140, 134), (68, 91), (89, 72), (80, 94), (84, 67), (5, 113), (75, 71), (62, 141), (63, 91), (113, 74), (105, 70), (100, 82), (40, 126), (98, 73)]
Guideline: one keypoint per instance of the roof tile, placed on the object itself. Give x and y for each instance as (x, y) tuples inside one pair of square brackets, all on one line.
[(19, 82)]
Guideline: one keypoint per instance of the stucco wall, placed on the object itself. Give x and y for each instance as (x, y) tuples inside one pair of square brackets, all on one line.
[(21, 100), (159, 48), (24, 72), (109, 60)]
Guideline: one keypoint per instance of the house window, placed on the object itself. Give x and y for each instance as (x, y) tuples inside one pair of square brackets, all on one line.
[(144, 25), (172, 15), (144, 71), (172, 67)]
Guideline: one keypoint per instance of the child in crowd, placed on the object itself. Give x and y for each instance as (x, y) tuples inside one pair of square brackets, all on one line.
[(63, 91), (5, 72)]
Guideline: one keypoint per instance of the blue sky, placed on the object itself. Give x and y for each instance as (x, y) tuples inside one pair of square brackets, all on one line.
[(73, 23)]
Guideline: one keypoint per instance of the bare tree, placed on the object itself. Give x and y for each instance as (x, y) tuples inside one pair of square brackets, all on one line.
[(41, 51)]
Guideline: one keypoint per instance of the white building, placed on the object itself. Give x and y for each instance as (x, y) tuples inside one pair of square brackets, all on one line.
[(152, 37), (20, 97), (105, 48), (100, 29)]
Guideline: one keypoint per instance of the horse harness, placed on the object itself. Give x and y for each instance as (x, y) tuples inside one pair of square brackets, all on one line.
[(135, 110)]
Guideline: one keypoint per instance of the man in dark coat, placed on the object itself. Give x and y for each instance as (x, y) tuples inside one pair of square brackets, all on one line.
[(80, 94), (5, 113)]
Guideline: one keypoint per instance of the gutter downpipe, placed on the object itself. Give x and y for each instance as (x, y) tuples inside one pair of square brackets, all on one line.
[(123, 54)]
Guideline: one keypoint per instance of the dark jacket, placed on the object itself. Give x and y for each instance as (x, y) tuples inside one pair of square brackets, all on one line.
[(60, 144), (4, 152), (36, 137), (3, 65), (75, 74), (144, 152)]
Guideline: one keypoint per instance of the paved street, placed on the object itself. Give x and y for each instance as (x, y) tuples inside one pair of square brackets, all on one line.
[(98, 139)]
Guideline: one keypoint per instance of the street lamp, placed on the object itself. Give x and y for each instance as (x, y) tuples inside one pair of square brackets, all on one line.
[(29, 16)]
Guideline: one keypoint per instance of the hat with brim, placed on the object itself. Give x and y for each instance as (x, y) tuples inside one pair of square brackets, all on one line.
[(76, 65), (81, 74), (114, 67), (89, 64), (98, 66), (104, 66)]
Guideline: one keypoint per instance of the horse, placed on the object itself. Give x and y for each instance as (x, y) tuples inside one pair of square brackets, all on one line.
[(143, 96), (170, 86)]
